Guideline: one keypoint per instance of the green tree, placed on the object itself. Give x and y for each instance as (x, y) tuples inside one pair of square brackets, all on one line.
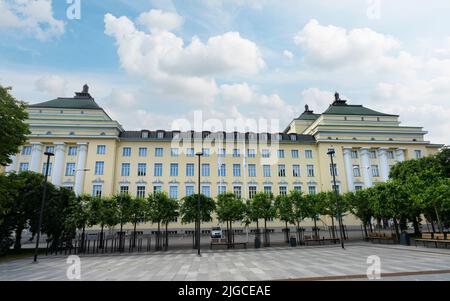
[(263, 207), (230, 209), (285, 211), (122, 203), (138, 214), (8, 195), (78, 215), (299, 208), (359, 206), (329, 206), (13, 129), (189, 209), (312, 202)]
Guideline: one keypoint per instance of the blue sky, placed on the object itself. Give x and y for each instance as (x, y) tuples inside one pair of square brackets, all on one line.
[(150, 62)]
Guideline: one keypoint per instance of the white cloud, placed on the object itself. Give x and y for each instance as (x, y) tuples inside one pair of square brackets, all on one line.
[(288, 55), (33, 17), (53, 85), (157, 20), (332, 47)]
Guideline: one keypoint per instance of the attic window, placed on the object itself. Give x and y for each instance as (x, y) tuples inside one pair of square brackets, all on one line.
[(280, 137), (414, 140), (293, 137), (72, 133), (82, 112), (345, 117), (373, 139), (103, 134), (329, 138), (390, 139), (62, 112), (144, 134), (354, 138), (49, 133), (378, 118), (160, 134), (263, 137), (362, 118)]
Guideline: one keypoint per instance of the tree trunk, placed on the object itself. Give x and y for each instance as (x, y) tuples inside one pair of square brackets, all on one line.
[(370, 226), (438, 219), (82, 238), (432, 227), (101, 237), (134, 234), (158, 243), (332, 227), (166, 245), (17, 243), (121, 244), (266, 243), (315, 228), (416, 226), (365, 229), (397, 231)]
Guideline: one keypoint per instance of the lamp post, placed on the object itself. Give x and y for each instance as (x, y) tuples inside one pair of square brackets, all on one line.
[(331, 154), (41, 213), (199, 154)]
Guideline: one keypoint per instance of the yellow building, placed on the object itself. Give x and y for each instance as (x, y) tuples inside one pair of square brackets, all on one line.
[(95, 155)]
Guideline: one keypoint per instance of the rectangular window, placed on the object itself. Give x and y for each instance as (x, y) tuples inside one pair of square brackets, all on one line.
[(174, 152), (173, 192), (97, 190), (124, 189), (70, 169), (44, 166), (190, 170), (251, 191), (265, 153), (142, 152), (358, 187), (297, 188), (126, 152), (50, 149), (418, 153), (281, 170), (142, 169), (159, 152), (222, 171), (296, 170), (206, 152), (158, 170), (99, 167), (23, 166), (281, 153), (236, 153), (337, 187), (190, 152), (236, 170), (356, 171), (189, 190), (252, 170), (174, 169), (312, 189), (206, 170), (157, 188), (390, 154), (101, 149), (251, 153), (310, 170), (333, 170), (375, 172), (125, 171), (283, 190), (373, 154), (354, 154), (294, 153), (140, 191), (268, 189), (72, 151), (308, 154), (222, 152), (237, 190), (206, 191), (266, 171), (26, 150), (221, 189)]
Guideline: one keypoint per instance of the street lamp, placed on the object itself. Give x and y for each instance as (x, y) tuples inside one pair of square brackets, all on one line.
[(199, 154), (41, 213), (331, 154)]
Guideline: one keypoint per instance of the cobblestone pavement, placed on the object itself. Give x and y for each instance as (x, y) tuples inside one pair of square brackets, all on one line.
[(326, 262)]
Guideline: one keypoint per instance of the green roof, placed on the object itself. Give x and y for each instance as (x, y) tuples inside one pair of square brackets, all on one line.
[(68, 103), (344, 109), (308, 115)]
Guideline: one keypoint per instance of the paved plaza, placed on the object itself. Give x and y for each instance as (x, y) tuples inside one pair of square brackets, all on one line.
[(301, 263)]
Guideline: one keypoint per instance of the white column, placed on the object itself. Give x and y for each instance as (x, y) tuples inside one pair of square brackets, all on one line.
[(81, 165), (36, 155), (365, 165), (58, 163), (12, 166), (349, 168), (384, 165), (400, 154)]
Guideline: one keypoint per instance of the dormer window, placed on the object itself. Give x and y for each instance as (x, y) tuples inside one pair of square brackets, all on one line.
[(176, 134), (49, 133), (280, 137), (72, 133), (103, 134), (362, 118), (160, 134), (263, 137), (293, 137), (144, 134)]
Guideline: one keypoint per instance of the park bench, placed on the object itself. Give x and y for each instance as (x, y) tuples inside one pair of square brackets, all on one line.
[(435, 239), (320, 241), (224, 242), (381, 237)]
